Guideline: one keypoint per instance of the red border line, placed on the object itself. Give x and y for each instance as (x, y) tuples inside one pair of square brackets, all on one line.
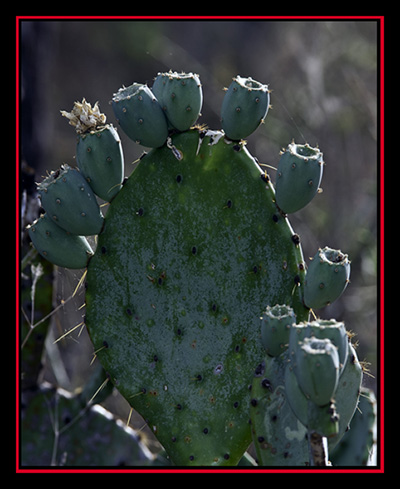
[(382, 243), (201, 17), (234, 470), (17, 235), (330, 470)]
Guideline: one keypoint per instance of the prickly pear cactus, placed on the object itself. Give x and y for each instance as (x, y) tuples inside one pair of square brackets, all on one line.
[(192, 251)]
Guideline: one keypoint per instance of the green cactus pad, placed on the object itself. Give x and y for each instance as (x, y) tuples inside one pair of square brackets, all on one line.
[(323, 420), (244, 107), (101, 161), (358, 446), (191, 252), (299, 176), (69, 200), (58, 246), (327, 277), (140, 115), (181, 97), (295, 396), (276, 322), (280, 439), (347, 393)]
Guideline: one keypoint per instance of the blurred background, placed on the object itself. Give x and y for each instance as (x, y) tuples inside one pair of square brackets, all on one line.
[(323, 77)]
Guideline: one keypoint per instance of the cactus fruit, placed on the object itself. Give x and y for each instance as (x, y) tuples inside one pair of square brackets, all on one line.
[(140, 115), (335, 331), (98, 151), (67, 197), (317, 369), (57, 245), (327, 277), (244, 107), (180, 96), (100, 159), (322, 328), (275, 328), (321, 419), (299, 175)]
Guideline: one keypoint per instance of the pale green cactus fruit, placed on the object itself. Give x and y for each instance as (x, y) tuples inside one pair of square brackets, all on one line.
[(276, 322), (244, 107), (98, 151), (70, 202), (57, 245), (328, 275), (317, 369), (100, 159), (299, 175), (140, 115), (180, 96)]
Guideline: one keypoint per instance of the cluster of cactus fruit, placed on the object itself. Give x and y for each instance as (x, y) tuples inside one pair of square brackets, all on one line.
[(194, 248)]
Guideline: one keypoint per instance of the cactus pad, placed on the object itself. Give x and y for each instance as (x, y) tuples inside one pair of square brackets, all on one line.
[(191, 253)]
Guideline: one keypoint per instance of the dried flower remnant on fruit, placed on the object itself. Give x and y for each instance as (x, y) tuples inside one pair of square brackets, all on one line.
[(84, 117)]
